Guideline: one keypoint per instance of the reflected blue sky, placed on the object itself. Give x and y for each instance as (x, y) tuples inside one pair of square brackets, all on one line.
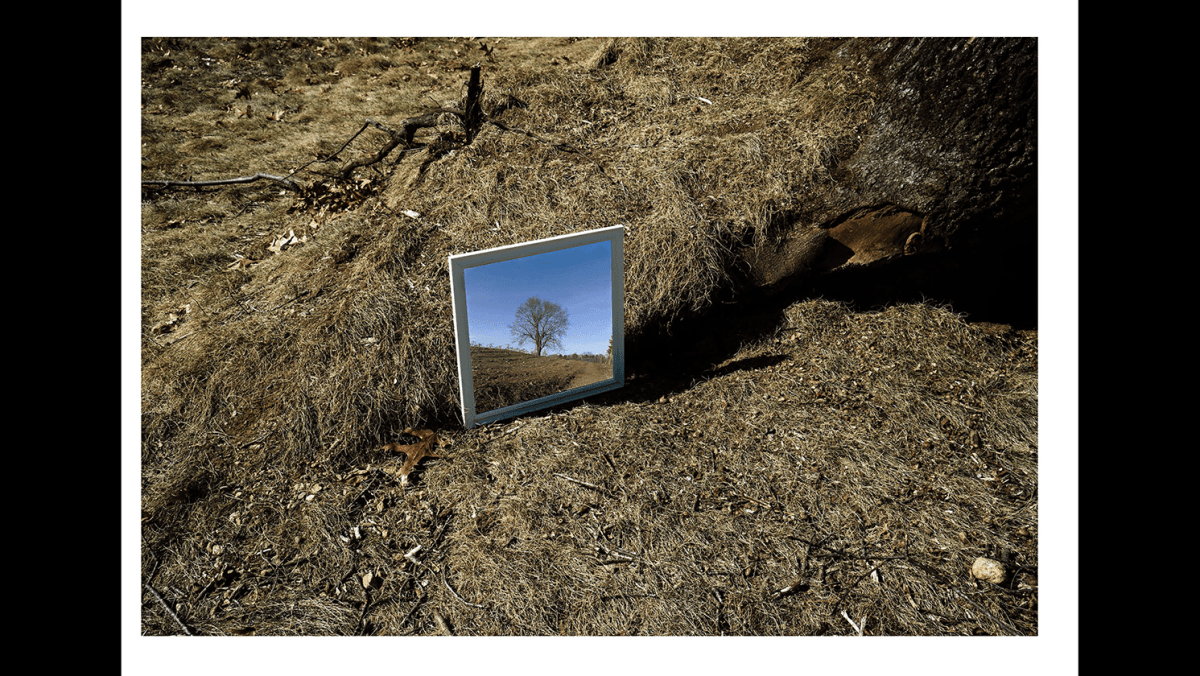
[(578, 278)]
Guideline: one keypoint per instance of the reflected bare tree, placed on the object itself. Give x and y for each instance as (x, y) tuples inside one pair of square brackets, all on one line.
[(540, 322)]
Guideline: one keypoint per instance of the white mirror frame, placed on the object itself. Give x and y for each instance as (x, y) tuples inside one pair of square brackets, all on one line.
[(462, 338)]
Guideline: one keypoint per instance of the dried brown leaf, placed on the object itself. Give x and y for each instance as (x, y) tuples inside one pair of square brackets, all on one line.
[(414, 452)]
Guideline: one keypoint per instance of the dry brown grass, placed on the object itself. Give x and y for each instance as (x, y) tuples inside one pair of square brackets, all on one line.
[(907, 437)]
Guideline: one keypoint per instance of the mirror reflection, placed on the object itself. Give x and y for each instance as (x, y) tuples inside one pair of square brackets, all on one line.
[(539, 325)]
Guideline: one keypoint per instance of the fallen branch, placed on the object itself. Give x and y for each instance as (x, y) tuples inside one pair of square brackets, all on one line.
[(472, 117), (283, 180), (167, 608), (408, 127)]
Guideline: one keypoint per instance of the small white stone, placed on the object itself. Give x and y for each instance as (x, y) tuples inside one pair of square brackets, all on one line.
[(989, 570)]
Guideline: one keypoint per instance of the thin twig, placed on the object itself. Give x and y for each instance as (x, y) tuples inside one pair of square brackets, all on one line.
[(856, 627), (473, 605), (168, 609), (852, 557), (750, 499), (285, 182), (411, 555), (437, 539), (583, 483), (618, 553), (555, 144), (995, 619), (330, 158), (362, 617), (412, 610), (846, 556)]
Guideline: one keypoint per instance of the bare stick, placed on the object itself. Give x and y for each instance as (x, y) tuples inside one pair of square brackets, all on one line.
[(397, 139), (582, 483), (411, 555), (555, 144), (585, 484), (473, 113), (368, 123), (362, 617), (412, 610), (167, 608), (285, 182), (331, 157), (473, 605)]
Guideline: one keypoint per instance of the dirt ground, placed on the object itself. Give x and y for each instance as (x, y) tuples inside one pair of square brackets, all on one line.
[(827, 471), (508, 377)]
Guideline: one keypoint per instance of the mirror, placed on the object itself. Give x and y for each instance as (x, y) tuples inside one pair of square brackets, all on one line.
[(539, 324)]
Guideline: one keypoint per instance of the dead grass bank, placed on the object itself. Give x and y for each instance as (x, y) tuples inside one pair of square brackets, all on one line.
[(860, 461)]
